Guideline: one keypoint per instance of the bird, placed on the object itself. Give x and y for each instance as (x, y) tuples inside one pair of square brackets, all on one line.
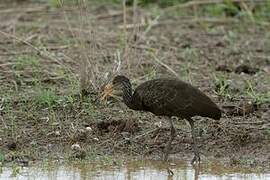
[(166, 97)]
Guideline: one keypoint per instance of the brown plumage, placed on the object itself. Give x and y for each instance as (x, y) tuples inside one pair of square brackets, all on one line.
[(167, 97)]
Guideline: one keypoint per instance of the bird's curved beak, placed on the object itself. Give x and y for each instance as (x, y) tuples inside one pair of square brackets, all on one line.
[(108, 91)]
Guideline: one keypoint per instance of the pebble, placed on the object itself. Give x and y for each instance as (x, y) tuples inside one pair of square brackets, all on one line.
[(76, 147), (89, 129), (57, 133), (158, 124)]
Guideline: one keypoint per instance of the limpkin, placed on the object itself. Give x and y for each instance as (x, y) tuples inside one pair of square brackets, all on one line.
[(166, 97)]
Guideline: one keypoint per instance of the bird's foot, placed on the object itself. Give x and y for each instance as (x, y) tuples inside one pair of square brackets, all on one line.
[(196, 159), (170, 172)]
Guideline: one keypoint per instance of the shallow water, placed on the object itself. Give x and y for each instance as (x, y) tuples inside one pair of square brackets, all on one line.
[(149, 170)]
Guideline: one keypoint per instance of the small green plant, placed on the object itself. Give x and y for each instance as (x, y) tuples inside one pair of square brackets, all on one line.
[(26, 61), (231, 37), (46, 97), (267, 132), (151, 72), (190, 54), (15, 170), (222, 85), (260, 98), (185, 72), (262, 13), (217, 10), (2, 157)]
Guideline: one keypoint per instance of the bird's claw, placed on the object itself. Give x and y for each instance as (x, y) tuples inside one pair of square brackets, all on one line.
[(170, 172)]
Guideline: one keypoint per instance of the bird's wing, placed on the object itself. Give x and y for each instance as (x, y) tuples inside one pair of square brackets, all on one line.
[(162, 98)]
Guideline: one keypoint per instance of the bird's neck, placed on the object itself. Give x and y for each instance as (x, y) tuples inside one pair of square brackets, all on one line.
[(127, 95)]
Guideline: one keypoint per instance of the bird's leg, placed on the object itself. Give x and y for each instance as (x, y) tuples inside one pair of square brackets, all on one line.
[(168, 146), (196, 158)]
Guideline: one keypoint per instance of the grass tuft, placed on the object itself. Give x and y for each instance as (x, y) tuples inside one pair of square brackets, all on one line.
[(47, 98), (26, 61)]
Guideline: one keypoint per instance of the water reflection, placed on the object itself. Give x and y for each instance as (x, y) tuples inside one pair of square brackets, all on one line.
[(148, 170)]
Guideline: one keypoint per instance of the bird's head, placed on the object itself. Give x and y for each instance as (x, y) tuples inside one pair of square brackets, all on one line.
[(117, 87)]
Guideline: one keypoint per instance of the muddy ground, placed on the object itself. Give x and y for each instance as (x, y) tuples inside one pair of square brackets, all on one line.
[(49, 54)]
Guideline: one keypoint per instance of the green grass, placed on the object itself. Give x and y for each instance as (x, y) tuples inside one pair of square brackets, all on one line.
[(26, 61), (185, 72), (222, 85), (15, 170), (46, 97), (258, 97), (190, 54), (2, 157)]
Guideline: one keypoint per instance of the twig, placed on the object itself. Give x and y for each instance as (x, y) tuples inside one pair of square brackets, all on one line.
[(57, 47), (118, 62), (151, 25), (132, 26), (165, 65), (249, 12), (143, 47), (6, 64)]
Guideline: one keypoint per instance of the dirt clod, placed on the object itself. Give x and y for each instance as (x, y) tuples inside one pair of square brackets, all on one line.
[(12, 145), (243, 68), (245, 107)]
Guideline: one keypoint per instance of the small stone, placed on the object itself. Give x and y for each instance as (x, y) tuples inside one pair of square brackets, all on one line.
[(89, 129), (57, 133), (47, 119), (158, 124), (96, 139), (243, 68), (76, 147), (246, 107)]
